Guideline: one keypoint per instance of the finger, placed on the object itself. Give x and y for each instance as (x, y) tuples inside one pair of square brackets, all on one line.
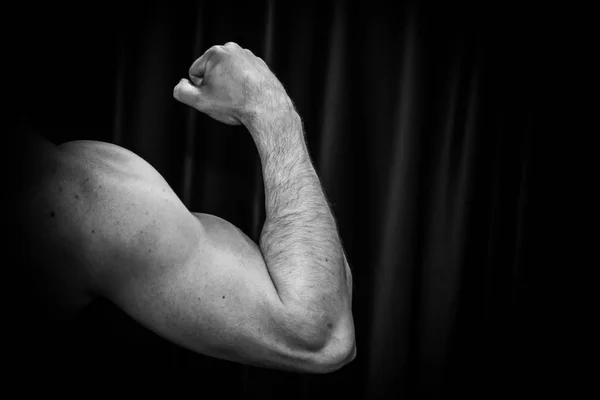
[(198, 68), (188, 94)]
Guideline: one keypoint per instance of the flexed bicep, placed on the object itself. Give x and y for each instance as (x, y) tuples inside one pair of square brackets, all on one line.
[(217, 299)]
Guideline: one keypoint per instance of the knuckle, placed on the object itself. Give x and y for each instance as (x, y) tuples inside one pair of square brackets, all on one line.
[(231, 44), (214, 49)]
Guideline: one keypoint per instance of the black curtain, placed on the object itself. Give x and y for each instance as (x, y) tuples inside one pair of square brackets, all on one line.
[(419, 119)]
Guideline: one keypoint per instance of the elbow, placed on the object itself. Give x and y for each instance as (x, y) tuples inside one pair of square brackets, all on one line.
[(328, 343), (334, 357), (338, 349)]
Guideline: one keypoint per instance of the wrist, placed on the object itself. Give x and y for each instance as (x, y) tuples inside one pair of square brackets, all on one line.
[(274, 109), (277, 131)]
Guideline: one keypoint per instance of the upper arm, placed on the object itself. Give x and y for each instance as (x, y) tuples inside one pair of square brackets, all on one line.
[(194, 279), (218, 300)]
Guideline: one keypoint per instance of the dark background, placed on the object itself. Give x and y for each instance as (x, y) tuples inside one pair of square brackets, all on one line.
[(420, 121)]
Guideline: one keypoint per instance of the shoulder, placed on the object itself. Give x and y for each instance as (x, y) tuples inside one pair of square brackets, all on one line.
[(103, 212)]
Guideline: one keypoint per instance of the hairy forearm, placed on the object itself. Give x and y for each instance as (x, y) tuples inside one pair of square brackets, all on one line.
[(299, 240)]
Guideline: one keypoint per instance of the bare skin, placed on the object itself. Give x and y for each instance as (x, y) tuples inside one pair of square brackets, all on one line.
[(104, 223)]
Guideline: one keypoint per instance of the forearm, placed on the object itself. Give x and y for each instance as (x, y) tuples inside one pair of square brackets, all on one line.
[(299, 240)]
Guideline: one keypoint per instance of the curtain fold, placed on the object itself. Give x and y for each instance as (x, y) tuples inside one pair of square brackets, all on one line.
[(422, 143), (395, 268)]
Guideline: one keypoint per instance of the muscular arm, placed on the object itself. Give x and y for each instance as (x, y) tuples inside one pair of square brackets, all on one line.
[(102, 221), (103, 216)]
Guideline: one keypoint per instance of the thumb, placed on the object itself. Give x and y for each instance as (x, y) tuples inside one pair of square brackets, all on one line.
[(188, 94)]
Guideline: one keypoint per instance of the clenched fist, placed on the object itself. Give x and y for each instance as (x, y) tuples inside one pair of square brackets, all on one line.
[(232, 85)]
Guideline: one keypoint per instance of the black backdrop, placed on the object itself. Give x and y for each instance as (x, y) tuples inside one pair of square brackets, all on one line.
[(419, 121)]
